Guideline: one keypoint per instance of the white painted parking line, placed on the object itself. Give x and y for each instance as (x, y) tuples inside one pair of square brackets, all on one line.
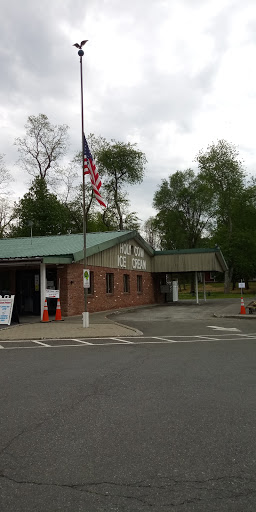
[(16, 341), (41, 343), (251, 336), (80, 341), (123, 341), (206, 337), (162, 338), (186, 341), (218, 328)]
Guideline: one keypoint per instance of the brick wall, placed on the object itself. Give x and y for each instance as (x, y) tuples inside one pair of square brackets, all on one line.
[(72, 291)]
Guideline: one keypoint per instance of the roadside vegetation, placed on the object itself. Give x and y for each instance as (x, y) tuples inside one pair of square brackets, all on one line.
[(216, 291)]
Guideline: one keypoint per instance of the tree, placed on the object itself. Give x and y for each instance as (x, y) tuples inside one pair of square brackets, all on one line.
[(184, 210), (6, 204), (5, 177), (239, 244), (121, 164), (118, 164), (222, 172), (7, 215), (42, 210), (151, 233), (42, 147)]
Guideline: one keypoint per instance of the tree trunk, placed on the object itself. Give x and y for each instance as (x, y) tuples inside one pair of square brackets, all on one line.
[(228, 280)]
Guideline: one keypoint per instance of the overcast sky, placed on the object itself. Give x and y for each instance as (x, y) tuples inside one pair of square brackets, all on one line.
[(172, 75)]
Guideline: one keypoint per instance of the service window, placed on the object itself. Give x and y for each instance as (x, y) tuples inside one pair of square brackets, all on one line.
[(109, 283), (139, 283), (126, 283)]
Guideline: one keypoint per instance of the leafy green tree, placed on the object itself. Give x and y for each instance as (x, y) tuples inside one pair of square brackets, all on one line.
[(120, 164), (222, 172), (239, 244), (184, 210), (41, 210), (42, 147)]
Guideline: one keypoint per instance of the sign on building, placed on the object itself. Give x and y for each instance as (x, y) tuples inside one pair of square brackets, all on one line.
[(52, 294), (86, 277)]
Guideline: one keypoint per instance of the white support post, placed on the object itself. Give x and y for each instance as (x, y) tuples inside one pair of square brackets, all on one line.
[(196, 283), (204, 286), (42, 286), (85, 316)]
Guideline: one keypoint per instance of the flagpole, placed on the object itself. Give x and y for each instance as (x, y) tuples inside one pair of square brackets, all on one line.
[(85, 314)]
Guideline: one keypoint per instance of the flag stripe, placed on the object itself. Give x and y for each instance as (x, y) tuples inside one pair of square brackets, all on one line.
[(90, 168)]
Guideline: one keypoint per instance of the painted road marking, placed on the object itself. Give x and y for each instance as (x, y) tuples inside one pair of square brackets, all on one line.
[(40, 343), (207, 337), (224, 328), (162, 338), (80, 341), (124, 341)]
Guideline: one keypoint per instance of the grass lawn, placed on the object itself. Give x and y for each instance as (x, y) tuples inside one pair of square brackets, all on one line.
[(216, 291)]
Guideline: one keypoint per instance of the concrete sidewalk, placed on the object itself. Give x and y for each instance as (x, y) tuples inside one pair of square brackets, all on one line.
[(101, 326), (70, 327)]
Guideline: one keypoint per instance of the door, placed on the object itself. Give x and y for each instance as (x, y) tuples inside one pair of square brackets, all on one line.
[(28, 291)]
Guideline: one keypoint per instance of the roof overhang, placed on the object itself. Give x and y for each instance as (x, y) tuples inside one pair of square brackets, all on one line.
[(193, 260), (7, 262), (56, 260)]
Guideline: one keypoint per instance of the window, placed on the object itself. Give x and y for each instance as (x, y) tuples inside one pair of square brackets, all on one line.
[(91, 288), (126, 283), (139, 284), (109, 283)]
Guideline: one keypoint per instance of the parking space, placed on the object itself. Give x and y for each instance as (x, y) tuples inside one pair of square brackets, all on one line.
[(125, 341)]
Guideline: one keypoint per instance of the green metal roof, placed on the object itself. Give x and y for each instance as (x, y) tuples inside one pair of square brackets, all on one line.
[(64, 248), (188, 251)]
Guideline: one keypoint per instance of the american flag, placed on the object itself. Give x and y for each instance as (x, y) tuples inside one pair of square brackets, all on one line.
[(90, 168)]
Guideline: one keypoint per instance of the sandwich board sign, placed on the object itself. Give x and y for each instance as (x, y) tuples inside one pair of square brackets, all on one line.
[(6, 307)]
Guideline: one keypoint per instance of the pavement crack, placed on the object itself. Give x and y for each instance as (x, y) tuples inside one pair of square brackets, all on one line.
[(166, 494), (77, 487)]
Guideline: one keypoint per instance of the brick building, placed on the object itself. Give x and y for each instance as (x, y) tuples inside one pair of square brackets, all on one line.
[(124, 270)]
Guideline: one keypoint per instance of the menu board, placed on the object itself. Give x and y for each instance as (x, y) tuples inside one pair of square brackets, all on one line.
[(6, 307)]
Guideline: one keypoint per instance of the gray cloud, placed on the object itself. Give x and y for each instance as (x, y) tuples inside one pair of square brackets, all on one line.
[(170, 77)]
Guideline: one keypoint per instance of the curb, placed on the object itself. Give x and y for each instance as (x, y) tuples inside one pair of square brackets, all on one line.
[(242, 317)]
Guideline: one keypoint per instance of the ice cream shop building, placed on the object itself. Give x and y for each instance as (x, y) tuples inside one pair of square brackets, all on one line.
[(124, 270)]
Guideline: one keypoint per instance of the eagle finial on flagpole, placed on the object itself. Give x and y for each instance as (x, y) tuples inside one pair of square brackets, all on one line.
[(77, 45)]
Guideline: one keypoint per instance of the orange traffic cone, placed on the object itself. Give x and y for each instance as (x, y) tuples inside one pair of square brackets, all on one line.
[(58, 311), (45, 314), (242, 311)]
